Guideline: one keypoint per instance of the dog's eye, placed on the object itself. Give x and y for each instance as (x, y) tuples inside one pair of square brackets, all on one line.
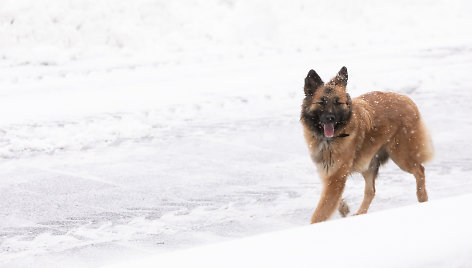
[(339, 103), (319, 103)]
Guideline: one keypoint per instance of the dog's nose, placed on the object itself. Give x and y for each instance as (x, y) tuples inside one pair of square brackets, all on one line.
[(329, 117)]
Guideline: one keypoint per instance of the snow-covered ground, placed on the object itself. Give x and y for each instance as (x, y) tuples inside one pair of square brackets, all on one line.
[(411, 236), (132, 128)]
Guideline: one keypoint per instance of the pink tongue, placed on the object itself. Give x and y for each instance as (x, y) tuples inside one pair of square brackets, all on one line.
[(329, 130)]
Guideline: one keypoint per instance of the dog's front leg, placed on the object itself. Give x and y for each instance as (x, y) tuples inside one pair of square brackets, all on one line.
[(330, 196)]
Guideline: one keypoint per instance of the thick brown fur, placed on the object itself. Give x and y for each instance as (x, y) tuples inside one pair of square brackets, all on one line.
[(369, 130)]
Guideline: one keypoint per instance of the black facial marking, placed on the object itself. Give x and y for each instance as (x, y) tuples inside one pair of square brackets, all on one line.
[(314, 119), (329, 90)]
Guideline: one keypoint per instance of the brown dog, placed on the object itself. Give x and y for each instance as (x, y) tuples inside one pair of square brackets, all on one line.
[(358, 135)]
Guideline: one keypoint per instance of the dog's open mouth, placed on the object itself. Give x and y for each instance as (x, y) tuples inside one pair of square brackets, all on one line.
[(328, 130)]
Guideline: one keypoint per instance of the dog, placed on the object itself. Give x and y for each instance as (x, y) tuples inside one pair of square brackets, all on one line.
[(347, 135)]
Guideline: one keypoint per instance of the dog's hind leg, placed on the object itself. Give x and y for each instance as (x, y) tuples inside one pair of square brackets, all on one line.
[(421, 193), (369, 176), (369, 191), (418, 171), (408, 160)]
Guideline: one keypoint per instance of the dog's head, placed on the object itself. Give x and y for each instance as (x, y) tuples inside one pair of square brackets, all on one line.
[(327, 107)]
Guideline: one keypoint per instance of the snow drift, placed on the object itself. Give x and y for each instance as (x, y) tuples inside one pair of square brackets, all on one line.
[(433, 234)]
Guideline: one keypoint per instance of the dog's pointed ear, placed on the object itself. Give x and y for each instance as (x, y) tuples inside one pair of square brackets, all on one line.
[(341, 78), (312, 82)]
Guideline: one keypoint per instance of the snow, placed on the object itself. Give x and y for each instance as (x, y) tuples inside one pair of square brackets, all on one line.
[(135, 129), (434, 234)]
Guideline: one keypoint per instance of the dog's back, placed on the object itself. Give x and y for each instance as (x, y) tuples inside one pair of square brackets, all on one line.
[(397, 121)]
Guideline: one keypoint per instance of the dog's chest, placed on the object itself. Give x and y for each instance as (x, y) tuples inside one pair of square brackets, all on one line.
[(325, 156)]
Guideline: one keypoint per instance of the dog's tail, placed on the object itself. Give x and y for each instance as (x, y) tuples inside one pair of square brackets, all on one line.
[(427, 148)]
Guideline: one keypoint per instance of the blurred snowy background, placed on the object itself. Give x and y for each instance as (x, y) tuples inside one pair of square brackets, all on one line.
[(129, 128)]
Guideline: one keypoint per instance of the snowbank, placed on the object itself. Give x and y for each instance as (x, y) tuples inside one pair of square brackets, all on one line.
[(433, 234)]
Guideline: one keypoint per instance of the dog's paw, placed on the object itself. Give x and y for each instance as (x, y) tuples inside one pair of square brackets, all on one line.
[(359, 213), (343, 208)]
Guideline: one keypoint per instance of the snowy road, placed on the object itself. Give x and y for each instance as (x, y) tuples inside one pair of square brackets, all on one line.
[(103, 159)]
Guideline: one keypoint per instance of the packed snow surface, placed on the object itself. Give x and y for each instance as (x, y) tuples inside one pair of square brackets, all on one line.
[(134, 128)]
